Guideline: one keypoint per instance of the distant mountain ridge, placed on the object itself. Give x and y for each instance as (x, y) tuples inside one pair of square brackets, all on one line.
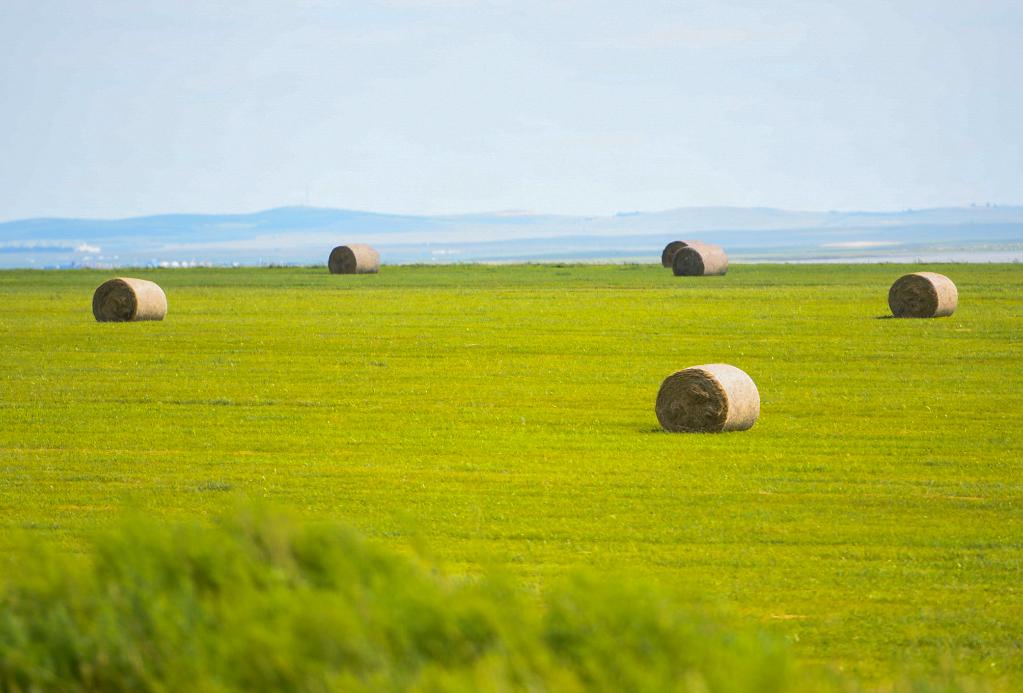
[(303, 235)]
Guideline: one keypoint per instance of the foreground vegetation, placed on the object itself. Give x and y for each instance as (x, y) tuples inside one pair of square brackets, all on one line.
[(257, 604), (503, 416)]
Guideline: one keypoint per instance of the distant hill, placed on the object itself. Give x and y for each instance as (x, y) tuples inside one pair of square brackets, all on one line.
[(303, 235)]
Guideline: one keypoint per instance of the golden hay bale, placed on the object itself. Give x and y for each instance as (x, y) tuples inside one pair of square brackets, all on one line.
[(707, 399), (923, 295), (354, 258), (699, 259), (668, 254), (128, 300)]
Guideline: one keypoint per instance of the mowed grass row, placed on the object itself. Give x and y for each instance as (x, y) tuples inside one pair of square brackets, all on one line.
[(504, 416)]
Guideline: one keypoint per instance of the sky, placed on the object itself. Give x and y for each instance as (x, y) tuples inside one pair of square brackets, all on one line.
[(116, 108)]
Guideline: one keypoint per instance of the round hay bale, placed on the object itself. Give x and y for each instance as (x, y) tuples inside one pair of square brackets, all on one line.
[(923, 295), (128, 300), (668, 254), (699, 260), (708, 399), (354, 258)]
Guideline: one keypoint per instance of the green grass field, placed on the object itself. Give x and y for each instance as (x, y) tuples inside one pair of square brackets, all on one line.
[(502, 417)]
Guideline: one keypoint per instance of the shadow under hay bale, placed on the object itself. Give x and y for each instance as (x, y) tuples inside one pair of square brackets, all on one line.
[(354, 258), (699, 260), (710, 398), (923, 295), (128, 300)]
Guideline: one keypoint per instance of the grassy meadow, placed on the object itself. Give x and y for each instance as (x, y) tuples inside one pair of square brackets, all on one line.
[(500, 418)]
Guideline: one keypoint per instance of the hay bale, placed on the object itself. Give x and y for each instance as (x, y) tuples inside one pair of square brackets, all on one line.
[(697, 259), (708, 399), (128, 300), (354, 258), (923, 295), (668, 254)]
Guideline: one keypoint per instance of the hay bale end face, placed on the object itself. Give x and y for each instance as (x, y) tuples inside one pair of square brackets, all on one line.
[(923, 295), (699, 260), (354, 258), (711, 398), (668, 254), (128, 300)]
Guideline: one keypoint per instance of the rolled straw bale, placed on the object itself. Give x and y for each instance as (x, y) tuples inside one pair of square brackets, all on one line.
[(668, 254), (354, 258), (128, 300), (699, 259), (707, 399), (923, 295)]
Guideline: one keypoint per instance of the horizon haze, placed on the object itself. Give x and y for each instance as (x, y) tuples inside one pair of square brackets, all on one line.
[(304, 235)]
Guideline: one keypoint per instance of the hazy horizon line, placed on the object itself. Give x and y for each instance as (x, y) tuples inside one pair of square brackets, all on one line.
[(519, 212)]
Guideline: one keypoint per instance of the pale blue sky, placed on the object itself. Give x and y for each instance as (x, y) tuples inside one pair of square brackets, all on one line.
[(117, 108)]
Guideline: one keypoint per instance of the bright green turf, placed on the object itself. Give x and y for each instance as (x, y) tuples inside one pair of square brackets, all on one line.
[(504, 415)]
